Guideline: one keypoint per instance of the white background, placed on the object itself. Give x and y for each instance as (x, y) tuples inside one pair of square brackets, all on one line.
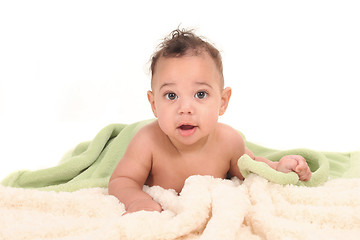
[(69, 68)]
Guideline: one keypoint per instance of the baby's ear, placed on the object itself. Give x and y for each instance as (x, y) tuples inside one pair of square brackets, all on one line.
[(151, 99), (225, 98)]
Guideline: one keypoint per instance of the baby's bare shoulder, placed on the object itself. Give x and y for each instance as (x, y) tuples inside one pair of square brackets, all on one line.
[(146, 134), (136, 161), (231, 137), (229, 132)]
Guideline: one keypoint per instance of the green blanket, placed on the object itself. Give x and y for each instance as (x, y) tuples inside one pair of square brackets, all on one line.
[(90, 164)]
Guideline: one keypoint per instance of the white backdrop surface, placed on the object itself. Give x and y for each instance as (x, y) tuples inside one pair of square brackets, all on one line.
[(69, 68)]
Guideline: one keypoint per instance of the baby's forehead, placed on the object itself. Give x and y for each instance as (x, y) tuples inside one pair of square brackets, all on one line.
[(159, 83), (191, 58)]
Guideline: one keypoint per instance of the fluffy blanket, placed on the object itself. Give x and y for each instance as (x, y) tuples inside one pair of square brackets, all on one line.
[(70, 201), (207, 208)]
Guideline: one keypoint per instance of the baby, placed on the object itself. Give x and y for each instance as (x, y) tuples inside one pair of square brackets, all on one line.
[(187, 96)]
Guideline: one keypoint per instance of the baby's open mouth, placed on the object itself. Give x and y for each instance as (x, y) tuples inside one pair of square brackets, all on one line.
[(186, 127), (187, 130)]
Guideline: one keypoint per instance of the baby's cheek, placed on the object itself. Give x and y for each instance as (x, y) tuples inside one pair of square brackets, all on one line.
[(212, 117), (165, 122)]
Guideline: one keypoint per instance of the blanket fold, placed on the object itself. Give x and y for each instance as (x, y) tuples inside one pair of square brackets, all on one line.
[(90, 164)]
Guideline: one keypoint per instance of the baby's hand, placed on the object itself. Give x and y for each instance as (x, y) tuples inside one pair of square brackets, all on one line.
[(143, 204), (295, 163)]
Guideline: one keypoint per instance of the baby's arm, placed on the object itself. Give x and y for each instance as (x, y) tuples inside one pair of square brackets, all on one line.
[(129, 176), (297, 164), (288, 163)]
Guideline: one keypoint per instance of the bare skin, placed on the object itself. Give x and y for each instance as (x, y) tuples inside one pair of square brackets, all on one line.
[(186, 139)]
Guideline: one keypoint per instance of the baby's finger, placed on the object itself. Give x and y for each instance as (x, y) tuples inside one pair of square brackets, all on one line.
[(306, 176), (302, 166), (304, 172)]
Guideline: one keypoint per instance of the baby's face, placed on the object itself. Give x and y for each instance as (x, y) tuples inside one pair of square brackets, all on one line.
[(187, 97)]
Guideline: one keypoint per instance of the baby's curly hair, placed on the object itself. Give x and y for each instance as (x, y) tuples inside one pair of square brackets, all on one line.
[(183, 42)]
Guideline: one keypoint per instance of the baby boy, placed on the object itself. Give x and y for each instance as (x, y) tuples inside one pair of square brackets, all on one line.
[(187, 96)]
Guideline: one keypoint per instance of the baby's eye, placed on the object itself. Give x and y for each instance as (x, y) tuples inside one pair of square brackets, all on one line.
[(201, 95), (171, 96)]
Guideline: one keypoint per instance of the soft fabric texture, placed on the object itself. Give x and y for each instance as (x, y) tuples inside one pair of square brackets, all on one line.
[(207, 208), (266, 205), (91, 164)]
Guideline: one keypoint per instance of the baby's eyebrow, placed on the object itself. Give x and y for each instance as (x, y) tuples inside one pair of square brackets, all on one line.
[(172, 84), (166, 84), (204, 83)]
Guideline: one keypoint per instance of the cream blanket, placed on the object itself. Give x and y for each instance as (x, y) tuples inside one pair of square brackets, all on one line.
[(207, 208)]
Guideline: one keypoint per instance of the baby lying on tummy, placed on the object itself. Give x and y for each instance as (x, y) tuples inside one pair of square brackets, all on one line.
[(187, 96)]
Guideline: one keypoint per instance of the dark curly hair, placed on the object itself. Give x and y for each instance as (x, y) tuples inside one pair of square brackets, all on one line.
[(183, 42)]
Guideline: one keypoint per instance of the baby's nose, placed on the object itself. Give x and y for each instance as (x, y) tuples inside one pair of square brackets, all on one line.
[(185, 107)]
